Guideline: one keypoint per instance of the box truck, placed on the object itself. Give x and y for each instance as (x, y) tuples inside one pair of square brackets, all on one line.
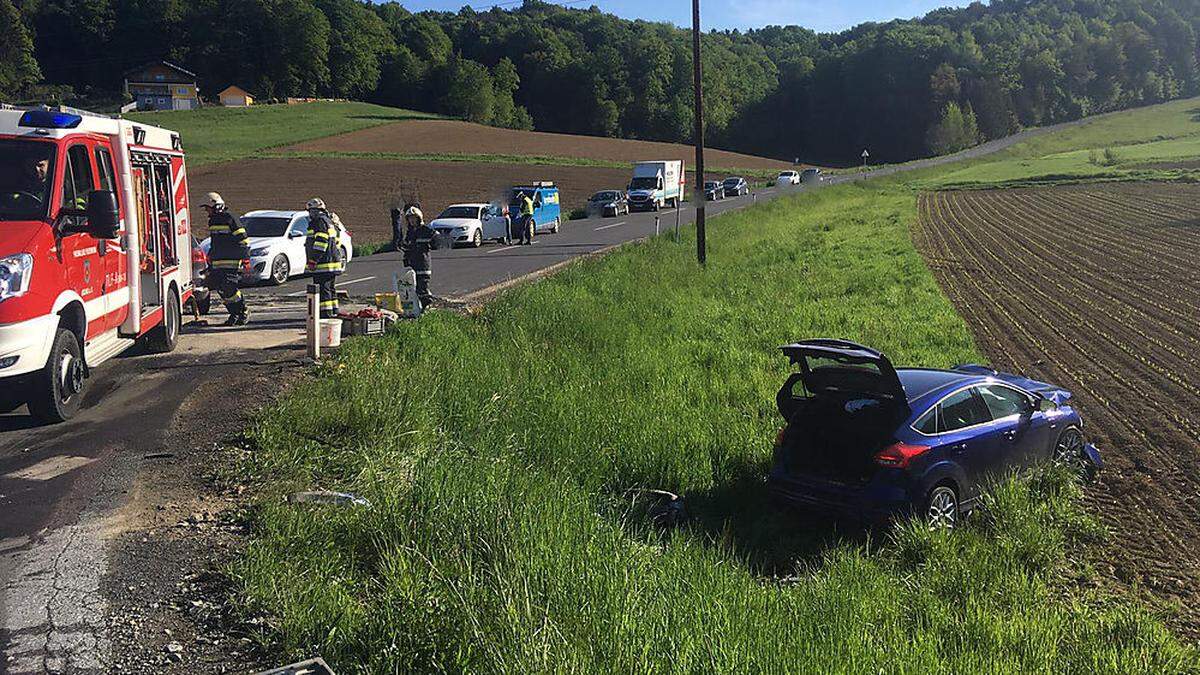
[(656, 184)]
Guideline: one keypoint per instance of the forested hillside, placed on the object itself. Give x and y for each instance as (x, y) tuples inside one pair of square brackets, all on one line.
[(902, 89)]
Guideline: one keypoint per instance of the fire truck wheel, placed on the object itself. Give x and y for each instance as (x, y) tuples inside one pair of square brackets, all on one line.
[(163, 338), (58, 389)]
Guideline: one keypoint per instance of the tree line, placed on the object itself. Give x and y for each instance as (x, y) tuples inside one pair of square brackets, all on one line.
[(902, 89)]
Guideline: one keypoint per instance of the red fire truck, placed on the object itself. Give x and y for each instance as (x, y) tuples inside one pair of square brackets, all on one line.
[(95, 251)]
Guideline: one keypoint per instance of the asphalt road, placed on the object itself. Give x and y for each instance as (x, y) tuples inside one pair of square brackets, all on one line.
[(458, 271)]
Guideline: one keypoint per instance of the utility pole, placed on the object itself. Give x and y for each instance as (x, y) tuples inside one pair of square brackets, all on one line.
[(698, 188)]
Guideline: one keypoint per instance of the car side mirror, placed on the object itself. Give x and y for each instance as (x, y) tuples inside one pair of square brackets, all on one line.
[(295, 235), (103, 215)]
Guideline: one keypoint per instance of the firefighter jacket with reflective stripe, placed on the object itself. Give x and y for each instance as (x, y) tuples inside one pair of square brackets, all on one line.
[(228, 243), (418, 243), (323, 246)]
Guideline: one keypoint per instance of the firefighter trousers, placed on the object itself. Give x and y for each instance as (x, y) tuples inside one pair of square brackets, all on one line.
[(329, 300), (225, 280), (423, 278)]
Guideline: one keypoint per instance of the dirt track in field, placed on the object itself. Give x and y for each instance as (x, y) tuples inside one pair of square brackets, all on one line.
[(1097, 288), (413, 137), (362, 191)]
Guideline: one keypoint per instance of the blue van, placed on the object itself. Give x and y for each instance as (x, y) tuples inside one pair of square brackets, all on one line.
[(547, 214)]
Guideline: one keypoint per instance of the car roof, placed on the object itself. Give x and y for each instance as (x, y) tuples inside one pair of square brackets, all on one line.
[(918, 382), (272, 214), (472, 205)]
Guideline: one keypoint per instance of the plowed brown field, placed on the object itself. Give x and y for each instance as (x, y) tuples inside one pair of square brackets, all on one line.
[(440, 137), (362, 191), (1097, 289)]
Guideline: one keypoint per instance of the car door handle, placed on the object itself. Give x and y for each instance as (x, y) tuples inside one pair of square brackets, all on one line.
[(1011, 434), (960, 448)]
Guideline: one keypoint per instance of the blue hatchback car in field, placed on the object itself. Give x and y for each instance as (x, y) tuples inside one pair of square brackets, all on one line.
[(868, 440)]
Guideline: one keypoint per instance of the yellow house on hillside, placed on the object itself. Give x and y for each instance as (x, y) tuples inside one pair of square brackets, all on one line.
[(236, 97)]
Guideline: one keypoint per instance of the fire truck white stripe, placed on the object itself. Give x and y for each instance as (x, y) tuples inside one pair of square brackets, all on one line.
[(98, 307)]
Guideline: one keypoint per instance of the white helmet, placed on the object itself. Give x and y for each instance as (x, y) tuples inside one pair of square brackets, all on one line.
[(213, 200), (316, 204), (414, 211)]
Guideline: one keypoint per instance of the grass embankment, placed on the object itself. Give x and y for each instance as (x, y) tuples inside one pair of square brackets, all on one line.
[(499, 450), (1156, 143), (215, 134)]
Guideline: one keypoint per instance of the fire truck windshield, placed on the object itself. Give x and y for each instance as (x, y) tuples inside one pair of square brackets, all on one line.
[(26, 176)]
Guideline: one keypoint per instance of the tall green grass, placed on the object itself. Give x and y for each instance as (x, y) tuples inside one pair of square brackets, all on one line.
[(502, 451)]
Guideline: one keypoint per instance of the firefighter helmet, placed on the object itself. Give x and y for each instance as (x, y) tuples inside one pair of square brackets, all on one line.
[(414, 211), (213, 200), (316, 204)]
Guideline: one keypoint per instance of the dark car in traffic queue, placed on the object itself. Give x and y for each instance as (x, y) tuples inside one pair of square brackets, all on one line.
[(735, 186), (866, 440), (607, 203), (714, 190)]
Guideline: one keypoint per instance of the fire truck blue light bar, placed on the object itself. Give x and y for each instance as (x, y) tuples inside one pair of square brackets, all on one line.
[(49, 119)]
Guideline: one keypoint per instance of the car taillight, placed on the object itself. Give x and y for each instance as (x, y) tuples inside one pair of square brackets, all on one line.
[(198, 257), (898, 455)]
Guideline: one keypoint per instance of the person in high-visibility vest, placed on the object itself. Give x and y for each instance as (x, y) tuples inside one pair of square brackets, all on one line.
[(526, 218), (324, 250), (228, 251)]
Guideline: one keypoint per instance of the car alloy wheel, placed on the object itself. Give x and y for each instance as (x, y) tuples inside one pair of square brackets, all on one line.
[(477, 239), (941, 512), (1068, 452), (281, 269)]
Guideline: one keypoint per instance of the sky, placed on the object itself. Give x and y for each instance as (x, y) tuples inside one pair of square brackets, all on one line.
[(820, 15)]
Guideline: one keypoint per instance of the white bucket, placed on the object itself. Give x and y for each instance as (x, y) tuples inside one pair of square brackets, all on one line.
[(329, 332)]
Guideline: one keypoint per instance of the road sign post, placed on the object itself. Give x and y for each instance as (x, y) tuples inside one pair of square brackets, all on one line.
[(866, 155)]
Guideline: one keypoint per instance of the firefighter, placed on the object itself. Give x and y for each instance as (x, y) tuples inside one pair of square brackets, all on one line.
[(228, 251), (324, 250), (419, 240), (526, 218)]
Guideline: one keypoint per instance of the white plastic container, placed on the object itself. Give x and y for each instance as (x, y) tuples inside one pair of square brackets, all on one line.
[(406, 287), (329, 332)]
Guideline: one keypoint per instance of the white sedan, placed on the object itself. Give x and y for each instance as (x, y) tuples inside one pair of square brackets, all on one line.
[(277, 244), (471, 224), (788, 178)]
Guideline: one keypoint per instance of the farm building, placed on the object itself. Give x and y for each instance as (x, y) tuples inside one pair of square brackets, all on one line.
[(162, 86), (236, 97)]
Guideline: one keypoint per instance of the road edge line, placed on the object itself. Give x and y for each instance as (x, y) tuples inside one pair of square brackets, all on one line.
[(551, 270)]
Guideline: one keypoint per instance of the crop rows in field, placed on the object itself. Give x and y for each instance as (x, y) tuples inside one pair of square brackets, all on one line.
[(1096, 288)]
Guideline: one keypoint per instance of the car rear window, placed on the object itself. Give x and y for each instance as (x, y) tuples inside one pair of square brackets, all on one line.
[(927, 423)]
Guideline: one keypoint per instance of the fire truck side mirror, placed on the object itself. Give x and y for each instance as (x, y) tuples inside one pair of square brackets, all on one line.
[(103, 214)]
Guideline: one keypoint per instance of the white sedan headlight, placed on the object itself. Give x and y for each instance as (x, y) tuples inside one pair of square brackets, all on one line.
[(260, 251), (15, 271)]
